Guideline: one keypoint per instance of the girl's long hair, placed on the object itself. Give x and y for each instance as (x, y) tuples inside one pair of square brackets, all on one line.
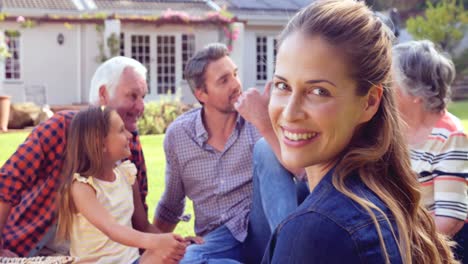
[(377, 152), (83, 155)]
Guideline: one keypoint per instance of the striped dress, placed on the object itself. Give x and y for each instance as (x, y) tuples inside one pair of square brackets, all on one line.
[(442, 164)]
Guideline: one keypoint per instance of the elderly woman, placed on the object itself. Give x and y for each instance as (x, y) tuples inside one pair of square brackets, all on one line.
[(439, 147)]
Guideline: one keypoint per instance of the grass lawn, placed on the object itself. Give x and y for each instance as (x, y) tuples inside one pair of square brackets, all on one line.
[(460, 109), (155, 161)]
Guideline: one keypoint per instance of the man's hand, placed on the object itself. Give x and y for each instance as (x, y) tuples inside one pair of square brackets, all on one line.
[(166, 248), (253, 107), (194, 240)]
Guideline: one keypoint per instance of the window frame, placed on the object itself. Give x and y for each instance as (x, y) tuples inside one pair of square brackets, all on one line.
[(19, 60), (270, 58), (153, 55)]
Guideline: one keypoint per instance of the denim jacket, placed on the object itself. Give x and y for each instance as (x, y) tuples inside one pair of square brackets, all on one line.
[(329, 227)]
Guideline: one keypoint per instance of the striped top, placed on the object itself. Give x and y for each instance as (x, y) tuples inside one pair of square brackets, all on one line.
[(442, 164)]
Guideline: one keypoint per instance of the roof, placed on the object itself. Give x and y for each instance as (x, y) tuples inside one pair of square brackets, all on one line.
[(153, 7), (263, 12), (95, 11), (39, 4), (250, 11), (265, 5)]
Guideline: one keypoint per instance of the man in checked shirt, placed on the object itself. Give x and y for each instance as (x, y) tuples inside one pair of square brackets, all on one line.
[(209, 158), (29, 179)]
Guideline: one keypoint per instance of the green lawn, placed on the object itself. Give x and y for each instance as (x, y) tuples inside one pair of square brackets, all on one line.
[(460, 109), (155, 161)]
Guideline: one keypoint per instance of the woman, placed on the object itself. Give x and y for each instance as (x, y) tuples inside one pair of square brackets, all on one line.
[(334, 115), (439, 147)]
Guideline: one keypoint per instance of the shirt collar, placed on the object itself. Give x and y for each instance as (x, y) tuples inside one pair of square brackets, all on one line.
[(200, 131)]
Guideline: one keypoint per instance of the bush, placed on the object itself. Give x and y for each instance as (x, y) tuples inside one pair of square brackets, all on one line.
[(158, 116)]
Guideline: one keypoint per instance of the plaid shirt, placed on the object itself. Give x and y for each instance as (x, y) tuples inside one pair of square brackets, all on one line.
[(30, 178), (218, 183)]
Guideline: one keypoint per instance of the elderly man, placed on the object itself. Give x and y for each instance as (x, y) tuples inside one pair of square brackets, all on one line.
[(30, 177)]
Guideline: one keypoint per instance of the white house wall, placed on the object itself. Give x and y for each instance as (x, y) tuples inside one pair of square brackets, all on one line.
[(89, 53), (44, 62)]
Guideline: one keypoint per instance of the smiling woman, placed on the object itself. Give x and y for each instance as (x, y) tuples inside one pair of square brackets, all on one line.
[(333, 112), (315, 108)]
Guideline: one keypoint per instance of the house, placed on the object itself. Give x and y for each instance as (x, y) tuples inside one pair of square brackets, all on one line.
[(57, 45)]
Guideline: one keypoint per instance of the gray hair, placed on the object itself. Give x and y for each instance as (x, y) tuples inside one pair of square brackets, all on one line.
[(196, 65), (109, 74), (422, 71)]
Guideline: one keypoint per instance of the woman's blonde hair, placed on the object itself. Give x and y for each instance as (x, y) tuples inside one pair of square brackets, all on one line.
[(83, 155), (377, 152)]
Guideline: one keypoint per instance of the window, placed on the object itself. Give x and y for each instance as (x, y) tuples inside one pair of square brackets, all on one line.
[(141, 52), (261, 58), (164, 55), (165, 64), (265, 58), (122, 44), (275, 51), (12, 64), (188, 49)]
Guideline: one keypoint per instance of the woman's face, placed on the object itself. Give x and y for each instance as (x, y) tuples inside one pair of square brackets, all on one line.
[(314, 108)]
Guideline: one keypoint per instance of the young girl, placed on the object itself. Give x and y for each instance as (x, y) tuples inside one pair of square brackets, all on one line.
[(99, 201)]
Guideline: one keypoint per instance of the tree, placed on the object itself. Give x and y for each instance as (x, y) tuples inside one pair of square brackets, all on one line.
[(402, 5), (444, 23)]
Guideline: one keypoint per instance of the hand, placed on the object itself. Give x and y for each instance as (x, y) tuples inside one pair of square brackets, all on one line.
[(168, 247), (194, 240), (253, 107)]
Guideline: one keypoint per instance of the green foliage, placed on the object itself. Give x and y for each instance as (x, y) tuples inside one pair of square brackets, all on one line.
[(112, 43), (158, 116), (28, 23), (100, 15), (3, 48), (12, 33), (444, 23)]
